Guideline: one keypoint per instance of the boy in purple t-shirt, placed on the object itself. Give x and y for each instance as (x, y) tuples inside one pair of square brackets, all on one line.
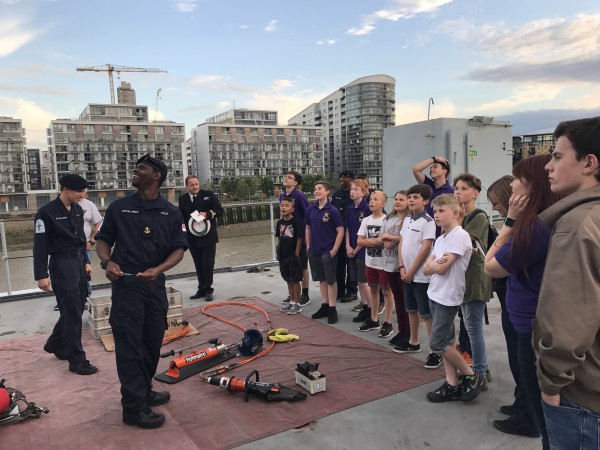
[(324, 235)]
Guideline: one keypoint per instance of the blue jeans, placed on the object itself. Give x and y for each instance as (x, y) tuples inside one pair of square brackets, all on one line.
[(530, 382), (571, 427), (473, 317), (89, 283)]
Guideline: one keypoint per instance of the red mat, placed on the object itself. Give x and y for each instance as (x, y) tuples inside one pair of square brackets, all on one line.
[(85, 411)]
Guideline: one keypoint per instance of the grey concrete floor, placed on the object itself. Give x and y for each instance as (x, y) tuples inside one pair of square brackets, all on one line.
[(402, 421)]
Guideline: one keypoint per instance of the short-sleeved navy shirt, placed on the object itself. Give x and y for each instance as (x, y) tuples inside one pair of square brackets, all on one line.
[(354, 216), (323, 224), (144, 232)]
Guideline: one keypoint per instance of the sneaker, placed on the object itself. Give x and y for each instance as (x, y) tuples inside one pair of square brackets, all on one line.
[(358, 307), (363, 315), (488, 376), (56, 308), (332, 316), (286, 301), (304, 300), (509, 410), (294, 308), (321, 312), (467, 358), (349, 297), (286, 307), (484, 385), (369, 325), (397, 340), (433, 361), (386, 330), (407, 347), (445, 393), (380, 308), (470, 385)]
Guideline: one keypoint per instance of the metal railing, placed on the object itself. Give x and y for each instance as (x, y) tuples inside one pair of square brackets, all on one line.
[(246, 237)]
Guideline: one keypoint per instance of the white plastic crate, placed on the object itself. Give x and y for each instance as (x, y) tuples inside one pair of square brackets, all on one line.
[(99, 308)]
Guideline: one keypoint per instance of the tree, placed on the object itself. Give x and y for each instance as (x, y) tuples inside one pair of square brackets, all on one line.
[(242, 190), (309, 180), (266, 186)]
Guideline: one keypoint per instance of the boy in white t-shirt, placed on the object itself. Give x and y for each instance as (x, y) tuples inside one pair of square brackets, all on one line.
[(368, 236), (447, 266)]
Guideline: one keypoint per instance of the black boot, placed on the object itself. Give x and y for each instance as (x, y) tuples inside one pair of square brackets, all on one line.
[(322, 312), (364, 314)]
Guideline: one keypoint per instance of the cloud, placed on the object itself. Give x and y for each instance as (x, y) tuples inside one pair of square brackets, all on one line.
[(410, 112), (206, 79), (566, 70), (186, 6), (206, 107), (399, 9), (282, 84), (35, 119), (544, 120), (38, 89), (327, 42), (522, 95), (542, 51), (15, 34), (244, 27), (272, 26)]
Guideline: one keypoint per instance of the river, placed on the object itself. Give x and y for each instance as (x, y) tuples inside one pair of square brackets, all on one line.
[(238, 245)]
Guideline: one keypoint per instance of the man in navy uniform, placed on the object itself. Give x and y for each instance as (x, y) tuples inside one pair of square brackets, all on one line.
[(148, 237), (203, 247), (59, 234)]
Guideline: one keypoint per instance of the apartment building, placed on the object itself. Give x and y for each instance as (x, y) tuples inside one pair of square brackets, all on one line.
[(243, 143), (13, 170), (352, 120), (532, 144), (105, 142)]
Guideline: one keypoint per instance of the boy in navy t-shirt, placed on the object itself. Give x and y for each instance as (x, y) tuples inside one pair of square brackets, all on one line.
[(289, 235)]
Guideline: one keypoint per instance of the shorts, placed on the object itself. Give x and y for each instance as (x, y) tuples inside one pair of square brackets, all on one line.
[(377, 277), (442, 327), (291, 270), (416, 299), (356, 270), (324, 267)]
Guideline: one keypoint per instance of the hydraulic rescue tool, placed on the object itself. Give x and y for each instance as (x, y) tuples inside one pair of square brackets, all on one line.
[(271, 392), (196, 361)]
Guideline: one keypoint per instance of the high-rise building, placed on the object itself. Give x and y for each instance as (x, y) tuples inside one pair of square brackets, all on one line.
[(352, 120), (13, 157), (104, 144), (34, 169), (242, 143), (532, 144)]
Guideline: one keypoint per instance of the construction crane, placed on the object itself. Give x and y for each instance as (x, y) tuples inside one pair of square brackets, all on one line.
[(110, 68)]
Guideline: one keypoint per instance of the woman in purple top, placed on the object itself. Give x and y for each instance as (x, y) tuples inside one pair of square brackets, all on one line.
[(520, 253)]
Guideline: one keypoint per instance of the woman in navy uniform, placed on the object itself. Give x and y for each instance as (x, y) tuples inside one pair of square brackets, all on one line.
[(202, 248), (59, 234), (148, 236)]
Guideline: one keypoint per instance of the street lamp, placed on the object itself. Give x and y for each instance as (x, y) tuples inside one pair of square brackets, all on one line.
[(429, 103)]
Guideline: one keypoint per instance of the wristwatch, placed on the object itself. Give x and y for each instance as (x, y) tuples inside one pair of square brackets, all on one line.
[(104, 263), (509, 222)]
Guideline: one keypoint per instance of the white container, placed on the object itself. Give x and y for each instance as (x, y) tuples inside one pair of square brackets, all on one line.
[(312, 386), (100, 307)]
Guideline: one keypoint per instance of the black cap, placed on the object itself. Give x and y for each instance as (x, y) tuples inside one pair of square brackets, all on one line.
[(347, 173), (73, 181), (155, 163)]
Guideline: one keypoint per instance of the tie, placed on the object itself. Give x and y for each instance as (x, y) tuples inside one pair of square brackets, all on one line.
[(193, 198)]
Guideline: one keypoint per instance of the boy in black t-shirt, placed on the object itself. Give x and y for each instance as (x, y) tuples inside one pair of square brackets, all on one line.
[(289, 241)]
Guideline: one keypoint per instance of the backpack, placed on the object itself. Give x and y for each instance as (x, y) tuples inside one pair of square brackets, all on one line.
[(492, 232)]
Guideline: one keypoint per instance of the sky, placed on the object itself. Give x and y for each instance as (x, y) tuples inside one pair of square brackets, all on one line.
[(532, 62)]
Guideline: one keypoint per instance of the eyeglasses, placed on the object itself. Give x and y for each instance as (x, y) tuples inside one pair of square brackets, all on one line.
[(290, 177)]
